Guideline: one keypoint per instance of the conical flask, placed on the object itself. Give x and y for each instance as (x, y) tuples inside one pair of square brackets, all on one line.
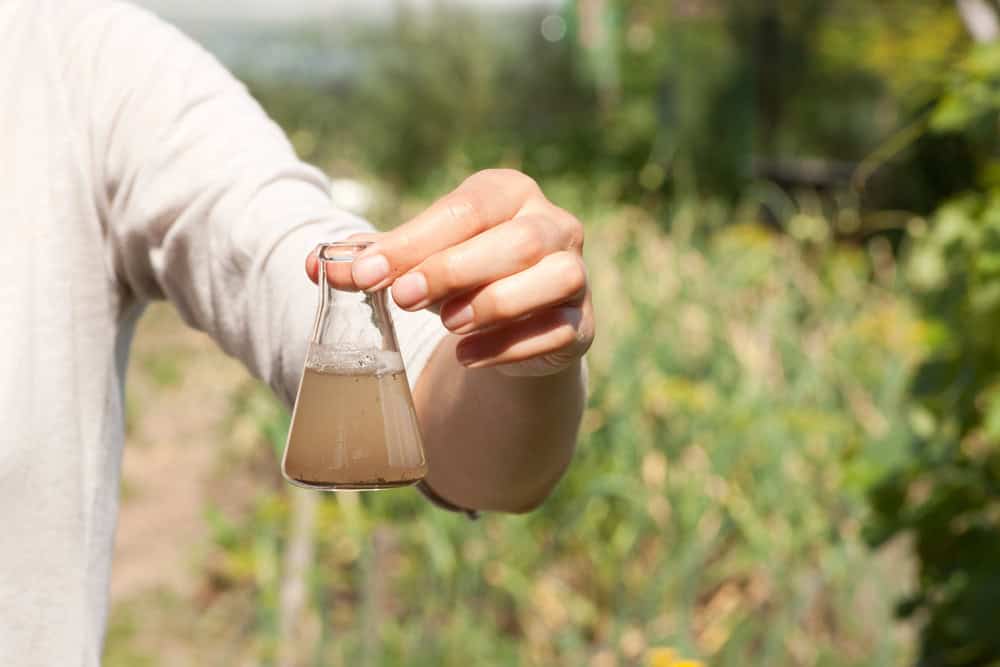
[(354, 426)]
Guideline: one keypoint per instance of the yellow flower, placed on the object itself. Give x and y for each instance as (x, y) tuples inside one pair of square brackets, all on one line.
[(661, 657), (667, 657)]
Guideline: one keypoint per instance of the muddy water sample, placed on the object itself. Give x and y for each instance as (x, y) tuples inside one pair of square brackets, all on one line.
[(354, 427)]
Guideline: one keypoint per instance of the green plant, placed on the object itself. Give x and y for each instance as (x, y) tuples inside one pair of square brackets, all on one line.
[(947, 494)]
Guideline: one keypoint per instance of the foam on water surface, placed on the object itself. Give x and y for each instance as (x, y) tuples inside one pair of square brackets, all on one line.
[(347, 361)]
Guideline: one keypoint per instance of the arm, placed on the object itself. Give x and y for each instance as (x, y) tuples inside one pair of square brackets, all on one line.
[(201, 198), (501, 399), (494, 441), (205, 204)]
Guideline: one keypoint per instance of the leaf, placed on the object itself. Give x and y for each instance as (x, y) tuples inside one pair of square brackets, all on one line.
[(953, 113), (933, 376)]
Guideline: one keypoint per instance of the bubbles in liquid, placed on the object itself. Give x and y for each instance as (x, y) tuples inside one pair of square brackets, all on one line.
[(336, 359)]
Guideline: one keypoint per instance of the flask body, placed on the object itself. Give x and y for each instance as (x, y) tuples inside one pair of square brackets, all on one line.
[(354, 426)]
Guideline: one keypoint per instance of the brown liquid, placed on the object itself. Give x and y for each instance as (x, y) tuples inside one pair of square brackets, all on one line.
[(354, 431)]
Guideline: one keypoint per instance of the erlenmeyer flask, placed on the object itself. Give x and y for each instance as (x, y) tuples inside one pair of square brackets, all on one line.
[(354, 426)]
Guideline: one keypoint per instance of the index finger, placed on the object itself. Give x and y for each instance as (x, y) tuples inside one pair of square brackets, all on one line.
[(484, 200), (337, 274)]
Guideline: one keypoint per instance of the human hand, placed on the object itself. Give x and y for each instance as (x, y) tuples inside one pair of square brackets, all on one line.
[(501, 265)]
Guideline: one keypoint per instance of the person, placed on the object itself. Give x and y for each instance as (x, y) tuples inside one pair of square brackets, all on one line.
[(134, 167)]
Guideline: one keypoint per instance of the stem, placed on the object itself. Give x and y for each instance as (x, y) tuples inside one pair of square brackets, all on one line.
[(893, 146)]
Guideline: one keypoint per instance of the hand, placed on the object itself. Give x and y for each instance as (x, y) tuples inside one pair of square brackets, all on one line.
[(500, 263)]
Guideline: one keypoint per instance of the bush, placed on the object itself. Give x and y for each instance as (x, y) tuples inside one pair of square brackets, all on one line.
[(947, 495)]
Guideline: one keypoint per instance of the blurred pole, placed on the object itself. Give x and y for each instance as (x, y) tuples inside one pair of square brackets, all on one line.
[(980, 18), (768, 53), (598, 39), (373, 560), (299, 556)]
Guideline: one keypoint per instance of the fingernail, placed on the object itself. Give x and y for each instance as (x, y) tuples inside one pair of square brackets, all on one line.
[(459, 318), (368, 271), (466, 354), (410, 290)]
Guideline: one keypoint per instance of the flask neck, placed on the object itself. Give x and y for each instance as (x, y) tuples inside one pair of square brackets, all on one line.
[(350, 320)]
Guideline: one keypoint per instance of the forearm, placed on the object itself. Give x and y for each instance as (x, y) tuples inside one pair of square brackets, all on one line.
[(495, 442)]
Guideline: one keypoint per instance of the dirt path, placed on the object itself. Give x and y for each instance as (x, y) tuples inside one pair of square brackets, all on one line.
[(179, 388)]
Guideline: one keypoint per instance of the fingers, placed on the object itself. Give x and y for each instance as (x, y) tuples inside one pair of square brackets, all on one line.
[(497, 253), (559, 278), (338, 274), (557, 333), (483, 201), (502, 264), (312, 266)]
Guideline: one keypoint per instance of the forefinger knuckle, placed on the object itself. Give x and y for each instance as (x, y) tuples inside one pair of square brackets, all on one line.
[(508, 178), (466, 210), (572, 272), (527, 242), (569, 226)]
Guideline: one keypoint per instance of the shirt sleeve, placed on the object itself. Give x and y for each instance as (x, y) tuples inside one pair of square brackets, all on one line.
[(202, 197)]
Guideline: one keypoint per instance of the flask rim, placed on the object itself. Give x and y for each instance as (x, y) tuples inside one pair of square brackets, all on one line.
[(341, 251)]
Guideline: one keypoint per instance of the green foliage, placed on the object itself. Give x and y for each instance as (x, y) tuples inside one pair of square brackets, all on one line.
[(947, 495), (644, 101), (445, 92), (973, 91), (119, 635)]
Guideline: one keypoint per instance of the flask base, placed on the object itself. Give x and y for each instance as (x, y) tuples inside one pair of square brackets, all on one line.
[(369, 485)]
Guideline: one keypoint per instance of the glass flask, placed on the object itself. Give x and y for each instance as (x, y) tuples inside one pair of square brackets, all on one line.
[(354, 426)]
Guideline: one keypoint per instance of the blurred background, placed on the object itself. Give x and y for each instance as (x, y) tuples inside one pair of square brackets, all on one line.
[(790, 451)]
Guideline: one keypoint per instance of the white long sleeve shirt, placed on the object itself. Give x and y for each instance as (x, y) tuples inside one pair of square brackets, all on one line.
[(132, 167)]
